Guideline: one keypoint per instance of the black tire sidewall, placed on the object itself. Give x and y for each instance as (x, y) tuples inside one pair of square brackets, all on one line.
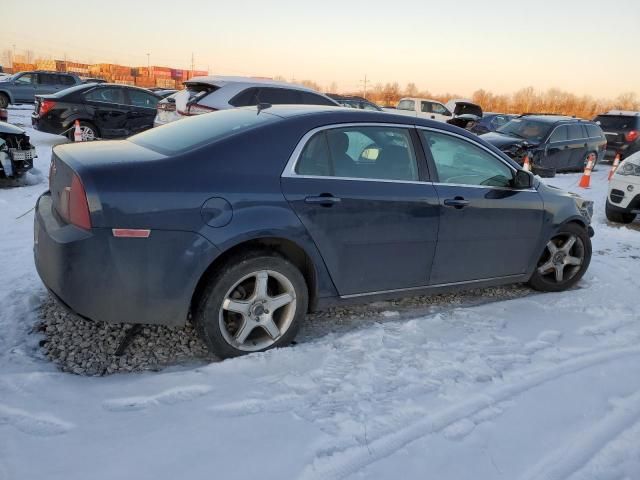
[(616, 216), (538, 282), (4, 100), (207, 315)]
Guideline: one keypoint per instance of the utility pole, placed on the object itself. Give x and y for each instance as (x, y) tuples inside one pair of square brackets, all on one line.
[(192, 64), (13, 58), (364, 82), (149, 63)]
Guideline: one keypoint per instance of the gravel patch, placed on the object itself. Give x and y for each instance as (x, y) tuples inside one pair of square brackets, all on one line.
[(85, 347)]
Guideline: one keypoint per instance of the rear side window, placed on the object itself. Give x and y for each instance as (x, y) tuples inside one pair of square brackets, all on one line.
[(594, 130), (199, 130), (560, 134), (575, 132), (407, 105), (245, 98), (106, 95), (425, 107), (65, 80)]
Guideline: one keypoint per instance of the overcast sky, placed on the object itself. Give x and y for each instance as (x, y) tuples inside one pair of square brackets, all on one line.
[(586, 47)]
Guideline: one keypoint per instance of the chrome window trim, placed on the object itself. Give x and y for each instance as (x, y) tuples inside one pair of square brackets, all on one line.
[(425, 287), (289, 169), (567, 140)]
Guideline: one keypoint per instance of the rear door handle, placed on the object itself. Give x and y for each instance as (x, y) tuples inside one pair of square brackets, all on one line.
[(325, 199), (457, 202)]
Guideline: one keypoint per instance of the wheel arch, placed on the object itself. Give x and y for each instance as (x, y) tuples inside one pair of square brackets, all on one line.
[(282, 246), (8, 94)]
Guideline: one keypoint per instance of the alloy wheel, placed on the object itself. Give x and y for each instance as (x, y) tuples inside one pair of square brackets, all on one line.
[(88, 134), (564, 254), (257, 310)]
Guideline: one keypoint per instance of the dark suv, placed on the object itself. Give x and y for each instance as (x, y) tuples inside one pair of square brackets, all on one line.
[(622, 130), (24, 86), (553, 142)]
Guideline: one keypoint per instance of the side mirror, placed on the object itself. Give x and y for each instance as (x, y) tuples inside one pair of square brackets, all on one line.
[(522, 180)]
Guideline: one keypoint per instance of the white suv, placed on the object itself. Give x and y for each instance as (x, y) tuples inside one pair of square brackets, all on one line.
[(623, 198), (212, 93)]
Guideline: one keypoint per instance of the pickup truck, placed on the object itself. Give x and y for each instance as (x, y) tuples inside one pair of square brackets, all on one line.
[(460, 112), (22, 87)]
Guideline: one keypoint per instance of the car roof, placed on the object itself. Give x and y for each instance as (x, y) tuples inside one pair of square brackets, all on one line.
[(420, 99), (622, 113), (219, 81)]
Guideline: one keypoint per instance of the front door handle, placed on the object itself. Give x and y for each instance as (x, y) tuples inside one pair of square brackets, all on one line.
[(325, 199), (457, 202)]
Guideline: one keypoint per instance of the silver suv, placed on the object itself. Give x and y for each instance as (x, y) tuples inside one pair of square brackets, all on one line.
[(22, 87), (212, 93)]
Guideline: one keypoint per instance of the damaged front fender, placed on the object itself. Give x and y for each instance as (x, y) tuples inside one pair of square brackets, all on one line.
[(16, 151)]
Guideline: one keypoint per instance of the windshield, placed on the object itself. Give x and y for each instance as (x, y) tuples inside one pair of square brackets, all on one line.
[(193, 132), (525, 128)]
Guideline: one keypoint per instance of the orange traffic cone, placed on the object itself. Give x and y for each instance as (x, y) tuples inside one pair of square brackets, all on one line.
[(614, 167), (77, 133), (526, 165), (586, 176)]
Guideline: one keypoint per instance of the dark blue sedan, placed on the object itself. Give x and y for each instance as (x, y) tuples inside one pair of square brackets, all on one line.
[(246, 219)]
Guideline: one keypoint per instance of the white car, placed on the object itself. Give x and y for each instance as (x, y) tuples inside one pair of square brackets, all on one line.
[(623, 198), (422, 107), (211, 93)]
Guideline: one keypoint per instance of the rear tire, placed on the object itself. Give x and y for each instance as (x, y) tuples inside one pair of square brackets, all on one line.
[(617, 216), (564, 260), (254, 303), (89, 131), (4, 100)]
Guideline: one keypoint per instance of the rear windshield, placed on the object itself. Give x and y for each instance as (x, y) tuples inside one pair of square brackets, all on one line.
[(617, 122), (193, 132)]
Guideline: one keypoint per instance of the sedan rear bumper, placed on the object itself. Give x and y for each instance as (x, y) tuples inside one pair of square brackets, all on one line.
[(119, 280)]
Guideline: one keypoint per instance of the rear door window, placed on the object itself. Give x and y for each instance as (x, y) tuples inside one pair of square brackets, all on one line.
[(65, 80), (141, 99), (278, 96), (246, 98), (383, 153), (425, 107), (106, 95), (439, 109), (309, 98), (575, 132), (48, 79)]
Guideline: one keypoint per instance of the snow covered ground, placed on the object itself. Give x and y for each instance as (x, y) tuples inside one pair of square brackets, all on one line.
[(546, 386)]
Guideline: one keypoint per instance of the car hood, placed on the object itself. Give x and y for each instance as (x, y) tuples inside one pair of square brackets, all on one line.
[(12, 129), (503, 141)]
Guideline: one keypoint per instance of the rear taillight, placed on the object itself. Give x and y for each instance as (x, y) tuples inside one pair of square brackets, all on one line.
[(73, 205), (631, 135), (195, 109), (167, 107), (45, 106)]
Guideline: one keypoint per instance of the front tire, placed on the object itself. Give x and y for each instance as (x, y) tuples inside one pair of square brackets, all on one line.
[(254, 303), (564, 261), (4, 100), (617, 216)]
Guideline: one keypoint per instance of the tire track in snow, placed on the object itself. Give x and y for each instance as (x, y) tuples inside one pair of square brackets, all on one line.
[(167, 397), (563, 462), (353, 459), (33, 424)]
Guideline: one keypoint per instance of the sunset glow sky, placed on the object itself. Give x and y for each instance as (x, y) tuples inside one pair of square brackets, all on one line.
[(586, 47)]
